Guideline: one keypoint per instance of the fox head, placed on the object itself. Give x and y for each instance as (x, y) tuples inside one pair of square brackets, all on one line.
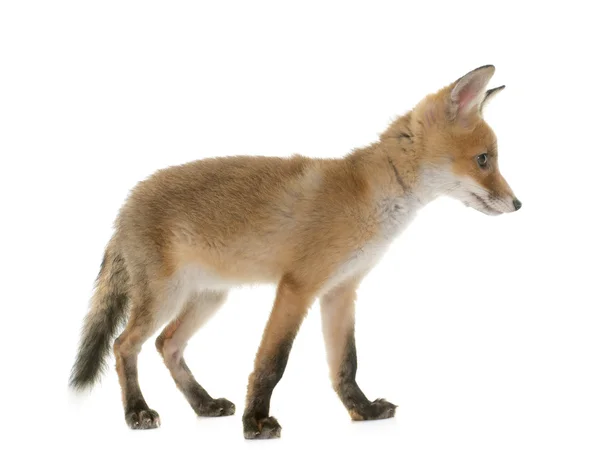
[(459, 148)]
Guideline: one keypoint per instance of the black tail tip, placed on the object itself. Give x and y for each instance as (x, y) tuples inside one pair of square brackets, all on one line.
[(82, 380), (78, 384)]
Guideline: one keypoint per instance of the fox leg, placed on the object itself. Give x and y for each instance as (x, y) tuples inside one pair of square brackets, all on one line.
[(140, 327), (172, 342), (291, 304), (337, 315)]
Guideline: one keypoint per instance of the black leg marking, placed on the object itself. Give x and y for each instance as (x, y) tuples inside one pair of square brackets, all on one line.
[(256, 420), (199, 399), (355, 401), (171, 345), (137, 413)]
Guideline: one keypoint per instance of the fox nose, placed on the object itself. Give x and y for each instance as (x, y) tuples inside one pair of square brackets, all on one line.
[(517, 204)]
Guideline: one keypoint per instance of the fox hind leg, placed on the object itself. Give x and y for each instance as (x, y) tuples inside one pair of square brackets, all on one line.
[(172, 342), (126, 348)]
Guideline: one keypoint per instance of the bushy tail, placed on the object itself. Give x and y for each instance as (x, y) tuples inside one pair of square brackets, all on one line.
[(107, 312)]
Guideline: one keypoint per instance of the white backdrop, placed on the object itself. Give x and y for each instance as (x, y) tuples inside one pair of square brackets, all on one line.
[(484, 330)]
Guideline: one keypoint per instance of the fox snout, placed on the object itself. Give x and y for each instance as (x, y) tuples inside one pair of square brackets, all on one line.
[(493, 197), (493, 205), (504, 194)]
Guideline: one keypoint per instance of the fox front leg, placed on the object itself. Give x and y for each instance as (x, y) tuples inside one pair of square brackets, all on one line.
[(337, 313), (291, 304)]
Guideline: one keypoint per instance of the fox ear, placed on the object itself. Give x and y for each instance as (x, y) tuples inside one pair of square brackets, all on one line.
[(489, 95), (467, 94)]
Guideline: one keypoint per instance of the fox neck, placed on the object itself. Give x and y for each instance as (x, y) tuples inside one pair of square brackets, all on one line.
[(396, 166)]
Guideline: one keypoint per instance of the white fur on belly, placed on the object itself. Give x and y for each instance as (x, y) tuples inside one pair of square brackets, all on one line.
[(186, 283)]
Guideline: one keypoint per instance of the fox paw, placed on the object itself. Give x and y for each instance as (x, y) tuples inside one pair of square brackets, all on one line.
[(218, 407), (142, 419), (378, 410), (265, 428)]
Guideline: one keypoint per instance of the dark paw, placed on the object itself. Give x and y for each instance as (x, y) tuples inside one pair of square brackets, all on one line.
[(142, 419), (378, 410), (218, 407), (266, 428)]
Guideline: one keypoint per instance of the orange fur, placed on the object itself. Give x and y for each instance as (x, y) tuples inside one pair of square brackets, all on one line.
[(313, 226)]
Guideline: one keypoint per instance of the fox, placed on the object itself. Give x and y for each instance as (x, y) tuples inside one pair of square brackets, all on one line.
[(314, 227)]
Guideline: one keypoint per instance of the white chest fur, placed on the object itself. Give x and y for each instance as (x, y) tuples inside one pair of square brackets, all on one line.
[(392, 216)]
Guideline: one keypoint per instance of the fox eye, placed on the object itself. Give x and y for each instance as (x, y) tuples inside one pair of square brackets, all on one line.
[(482, 160)]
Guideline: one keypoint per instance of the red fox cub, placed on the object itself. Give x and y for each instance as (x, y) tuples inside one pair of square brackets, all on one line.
[(315, 227)]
